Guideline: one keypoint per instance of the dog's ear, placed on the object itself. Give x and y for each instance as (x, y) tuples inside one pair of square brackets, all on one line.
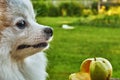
[(3, 4), (3, 8), (3, 14)]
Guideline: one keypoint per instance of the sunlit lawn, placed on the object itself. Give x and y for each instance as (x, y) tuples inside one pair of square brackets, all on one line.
[(70, 47)]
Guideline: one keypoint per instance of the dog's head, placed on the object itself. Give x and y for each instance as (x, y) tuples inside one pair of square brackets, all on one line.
[(20, 31)]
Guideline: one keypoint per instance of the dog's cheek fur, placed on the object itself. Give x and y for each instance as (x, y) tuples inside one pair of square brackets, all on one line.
[(22, 54)]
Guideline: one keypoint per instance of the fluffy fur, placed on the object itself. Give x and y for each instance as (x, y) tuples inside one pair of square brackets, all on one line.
[(22, 42)]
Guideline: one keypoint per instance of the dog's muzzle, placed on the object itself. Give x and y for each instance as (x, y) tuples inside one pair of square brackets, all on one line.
[(49, 34)]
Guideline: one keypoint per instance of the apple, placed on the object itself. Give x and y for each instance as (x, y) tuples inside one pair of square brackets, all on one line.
[(100, 69), (79, 76), (86, 65), (93, 69)]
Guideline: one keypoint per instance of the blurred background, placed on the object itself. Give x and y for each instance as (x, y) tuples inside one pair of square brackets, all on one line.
[(82, 29)]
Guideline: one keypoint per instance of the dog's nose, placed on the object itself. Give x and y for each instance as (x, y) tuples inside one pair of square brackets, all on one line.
[(48, 31)]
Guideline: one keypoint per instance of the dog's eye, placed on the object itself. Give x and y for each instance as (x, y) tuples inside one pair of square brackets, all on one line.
[(21, 24)]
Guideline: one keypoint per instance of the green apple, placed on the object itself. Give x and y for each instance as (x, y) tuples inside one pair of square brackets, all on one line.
[(100, 69)]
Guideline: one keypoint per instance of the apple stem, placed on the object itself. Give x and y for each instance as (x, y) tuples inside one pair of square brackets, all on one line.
[(95, 58)]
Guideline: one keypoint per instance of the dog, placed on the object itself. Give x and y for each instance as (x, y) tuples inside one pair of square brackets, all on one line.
[(22, 42)]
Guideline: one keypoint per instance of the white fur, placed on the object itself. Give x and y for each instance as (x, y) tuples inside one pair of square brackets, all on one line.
[(33, 66)]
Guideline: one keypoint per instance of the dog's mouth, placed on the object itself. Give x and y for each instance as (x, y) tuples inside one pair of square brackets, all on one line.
[(40, 45)]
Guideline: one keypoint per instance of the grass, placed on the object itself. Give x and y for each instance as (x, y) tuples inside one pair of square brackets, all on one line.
[(70, 47)]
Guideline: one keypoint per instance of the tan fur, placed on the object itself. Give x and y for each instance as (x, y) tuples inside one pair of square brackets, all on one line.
[(4, 21)]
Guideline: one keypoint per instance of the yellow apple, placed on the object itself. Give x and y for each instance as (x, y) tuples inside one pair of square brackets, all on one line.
[(86, 65), (79, 76)]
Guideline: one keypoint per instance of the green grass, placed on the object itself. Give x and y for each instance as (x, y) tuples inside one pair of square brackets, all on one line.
[(70, 47)]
